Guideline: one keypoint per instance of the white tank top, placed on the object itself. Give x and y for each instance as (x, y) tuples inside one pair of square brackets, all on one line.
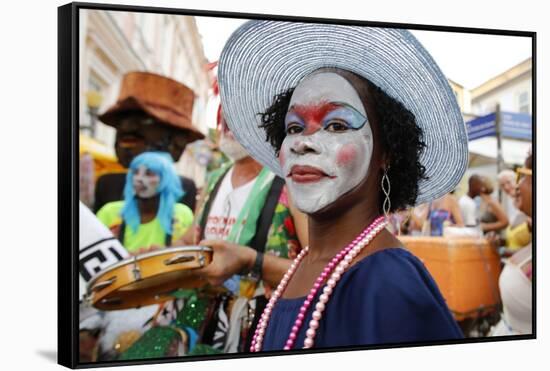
[(516, 293)]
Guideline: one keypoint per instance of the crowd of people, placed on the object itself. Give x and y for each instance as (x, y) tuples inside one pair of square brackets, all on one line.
[(478, 211), (326, 167)]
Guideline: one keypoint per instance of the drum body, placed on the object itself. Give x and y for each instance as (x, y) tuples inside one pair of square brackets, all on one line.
[(148, 278), (466, 271)]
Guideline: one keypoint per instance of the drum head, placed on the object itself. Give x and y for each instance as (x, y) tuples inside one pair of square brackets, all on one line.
[(149, 278)]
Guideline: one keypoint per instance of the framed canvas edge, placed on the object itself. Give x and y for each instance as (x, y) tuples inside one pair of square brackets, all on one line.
[(68, 103)]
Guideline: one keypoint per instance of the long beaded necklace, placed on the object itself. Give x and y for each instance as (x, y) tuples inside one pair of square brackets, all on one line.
[(335, 268)]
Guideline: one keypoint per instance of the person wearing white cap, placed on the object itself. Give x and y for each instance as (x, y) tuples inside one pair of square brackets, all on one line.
[(360, 122)]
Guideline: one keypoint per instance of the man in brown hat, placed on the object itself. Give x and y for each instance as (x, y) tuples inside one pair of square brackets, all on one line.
[(152, 113)]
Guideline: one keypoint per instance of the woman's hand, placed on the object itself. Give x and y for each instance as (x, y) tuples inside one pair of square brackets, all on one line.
[(227, 259), (498, 244), (494, 240)]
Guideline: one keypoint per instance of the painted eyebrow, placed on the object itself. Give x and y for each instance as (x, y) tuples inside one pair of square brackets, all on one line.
[(294, 118), (355, 119)]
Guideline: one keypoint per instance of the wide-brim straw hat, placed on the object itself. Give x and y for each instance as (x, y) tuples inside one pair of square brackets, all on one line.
[(168, 101), (265, 58)]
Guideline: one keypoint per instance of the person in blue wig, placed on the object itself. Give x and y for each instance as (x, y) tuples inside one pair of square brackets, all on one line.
[(149, 217)]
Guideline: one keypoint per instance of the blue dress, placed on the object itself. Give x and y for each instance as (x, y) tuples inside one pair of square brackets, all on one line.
[(388, 297)]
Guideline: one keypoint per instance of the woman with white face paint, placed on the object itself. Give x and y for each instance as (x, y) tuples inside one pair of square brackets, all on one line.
[(352, 147), (149, 217)]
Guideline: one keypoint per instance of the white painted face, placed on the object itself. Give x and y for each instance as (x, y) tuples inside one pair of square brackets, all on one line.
[(145, 182), (328, 144)]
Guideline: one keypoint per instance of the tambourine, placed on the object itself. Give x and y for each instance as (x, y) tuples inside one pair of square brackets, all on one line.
[(148, 278)]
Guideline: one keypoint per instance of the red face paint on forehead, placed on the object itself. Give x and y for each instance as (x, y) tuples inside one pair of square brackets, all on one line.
[(346, 155), (313, 114)]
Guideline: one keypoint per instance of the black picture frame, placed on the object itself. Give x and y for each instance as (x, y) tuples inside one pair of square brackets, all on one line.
[(68, 191)]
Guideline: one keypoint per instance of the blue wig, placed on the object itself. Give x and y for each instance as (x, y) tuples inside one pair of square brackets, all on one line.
[(169, 189)]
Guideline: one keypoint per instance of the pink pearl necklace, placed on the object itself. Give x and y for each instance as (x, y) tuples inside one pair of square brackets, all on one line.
[(335, 268)]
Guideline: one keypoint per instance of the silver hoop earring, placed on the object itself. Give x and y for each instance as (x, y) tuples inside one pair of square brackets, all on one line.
[(386, 188)]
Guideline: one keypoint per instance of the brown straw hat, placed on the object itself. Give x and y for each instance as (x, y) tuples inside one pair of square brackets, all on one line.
[(167, 100)]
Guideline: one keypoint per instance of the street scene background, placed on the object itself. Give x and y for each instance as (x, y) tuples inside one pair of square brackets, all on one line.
[(490, 75)]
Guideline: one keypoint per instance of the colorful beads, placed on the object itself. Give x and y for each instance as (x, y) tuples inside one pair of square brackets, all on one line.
[(331, 283), (334, 269)]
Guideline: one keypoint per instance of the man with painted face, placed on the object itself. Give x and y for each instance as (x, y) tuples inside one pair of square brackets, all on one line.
[(360, 122), (152, 113), (248, 220)]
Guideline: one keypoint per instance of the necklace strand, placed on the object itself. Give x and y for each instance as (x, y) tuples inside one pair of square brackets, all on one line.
[(334, 269)]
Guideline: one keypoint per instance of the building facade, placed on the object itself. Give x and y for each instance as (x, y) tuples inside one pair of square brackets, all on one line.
[(463, 98), (113, 43), (512, 89)]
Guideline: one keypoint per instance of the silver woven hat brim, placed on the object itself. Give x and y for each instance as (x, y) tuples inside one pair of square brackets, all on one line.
[(265, 58)]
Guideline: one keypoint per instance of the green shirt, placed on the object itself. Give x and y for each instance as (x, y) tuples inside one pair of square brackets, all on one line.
[(147, 234)]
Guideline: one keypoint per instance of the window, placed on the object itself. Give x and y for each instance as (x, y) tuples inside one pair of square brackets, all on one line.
[(93, 96), (524, 102), (94, 82)]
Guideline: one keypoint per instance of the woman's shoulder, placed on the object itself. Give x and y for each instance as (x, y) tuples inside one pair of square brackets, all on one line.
[(110, 211), (396, 287), (390, 262), (395, 273), (183, 212), (112, 206), (183, 219)]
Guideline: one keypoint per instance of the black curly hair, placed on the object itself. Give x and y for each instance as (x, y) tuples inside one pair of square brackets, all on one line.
[(400, 137)]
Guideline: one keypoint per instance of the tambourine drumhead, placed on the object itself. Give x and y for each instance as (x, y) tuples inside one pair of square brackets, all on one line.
[(148, 278)]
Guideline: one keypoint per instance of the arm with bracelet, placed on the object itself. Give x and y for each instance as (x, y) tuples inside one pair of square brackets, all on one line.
[(229, 258)]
